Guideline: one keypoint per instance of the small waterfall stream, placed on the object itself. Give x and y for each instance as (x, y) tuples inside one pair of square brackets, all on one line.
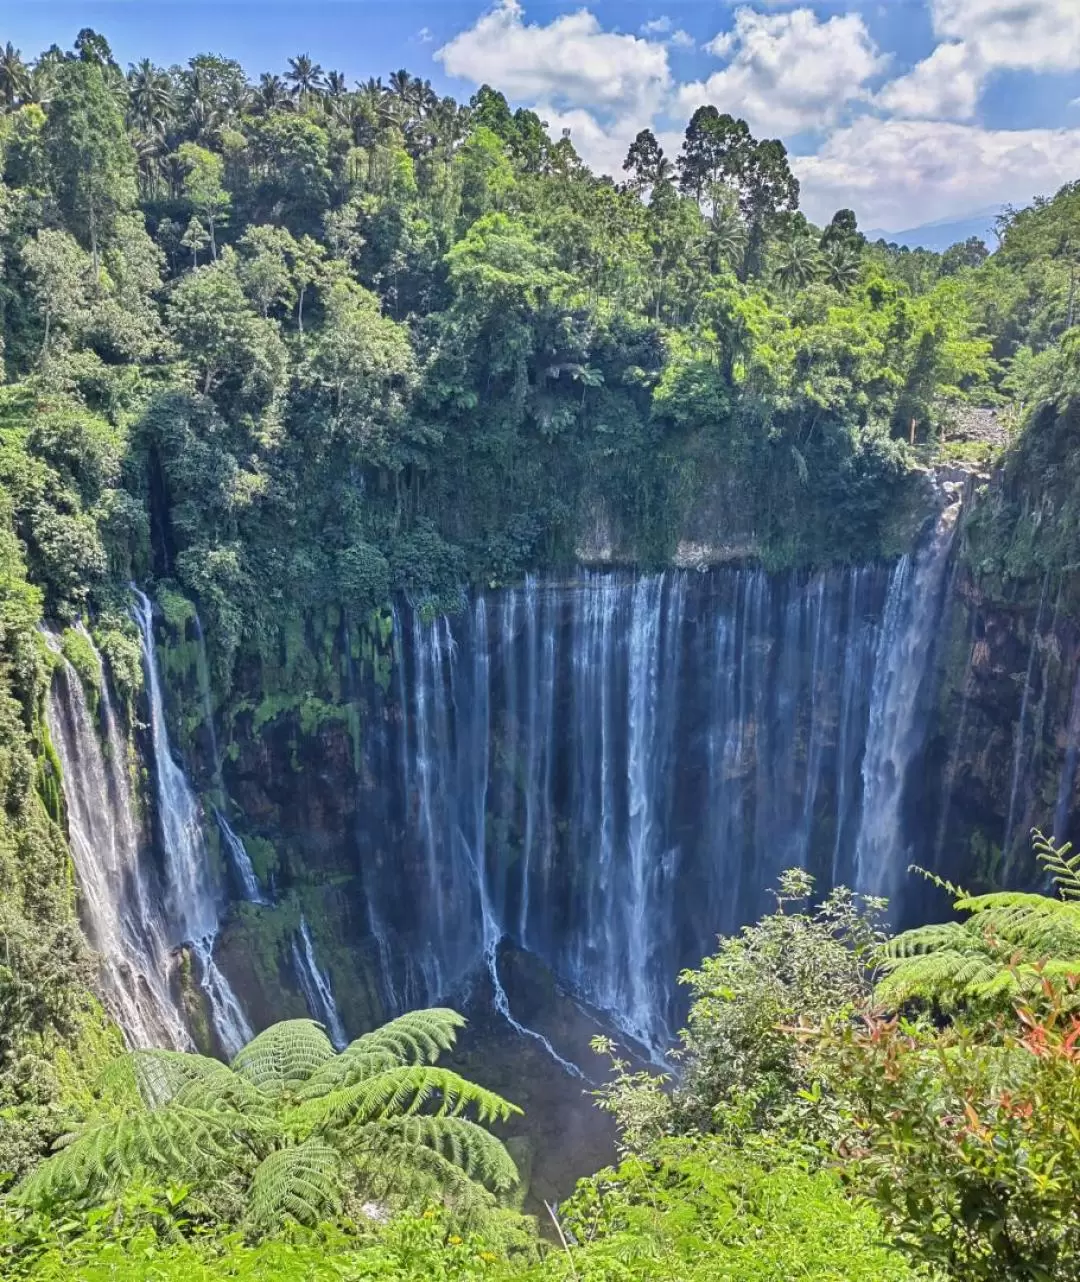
[(898, 705), (315, 985), (240, 861), (191, 898), (122, 918)]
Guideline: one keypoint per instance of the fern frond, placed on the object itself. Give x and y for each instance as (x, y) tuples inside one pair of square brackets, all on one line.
[(945, 976), (417, 1037), (346, 1069), (399, 1091), (168, 1144), (284, 1056), (1038, 924), (1062, 866), (925, 939), (954, 891), (388, 1168), (161, 1076), (473, 1150), (303, 1182)]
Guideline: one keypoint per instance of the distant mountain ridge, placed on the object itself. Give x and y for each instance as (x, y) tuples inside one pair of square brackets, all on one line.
[(938, 236)]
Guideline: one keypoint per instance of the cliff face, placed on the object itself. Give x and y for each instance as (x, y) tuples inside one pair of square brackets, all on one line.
[(1001, 758), (609, 768)]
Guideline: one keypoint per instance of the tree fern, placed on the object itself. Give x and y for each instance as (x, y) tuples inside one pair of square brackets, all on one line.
[(284, 1056), (417, 1037), (304, 1182), (402, 1090), (1010, 944), (297, 1126)]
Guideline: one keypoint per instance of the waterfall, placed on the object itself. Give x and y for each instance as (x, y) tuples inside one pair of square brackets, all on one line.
[(240, 861), (610, 770), (315, 985), (120, 914), (898, 704), (190, 896)]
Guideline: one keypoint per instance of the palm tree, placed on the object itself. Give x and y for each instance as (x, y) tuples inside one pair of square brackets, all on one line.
[(798, 265), (336, 86), (306, 77), (401, 86), (842, 263), (14, 77), (150, 98), (294, 1129), (204, 115), (272, 94), (727, 234)]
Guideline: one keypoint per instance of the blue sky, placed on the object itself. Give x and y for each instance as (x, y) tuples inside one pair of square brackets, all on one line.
[(907, 110)]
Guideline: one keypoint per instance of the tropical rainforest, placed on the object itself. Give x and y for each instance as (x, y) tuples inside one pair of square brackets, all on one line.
[(289, 353)]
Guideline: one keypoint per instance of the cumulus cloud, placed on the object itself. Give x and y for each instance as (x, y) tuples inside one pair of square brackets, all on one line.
[(899, 173), (681, 39), (788, 72), (980, 37), (1032, 35), (571, 62), (944, 86)]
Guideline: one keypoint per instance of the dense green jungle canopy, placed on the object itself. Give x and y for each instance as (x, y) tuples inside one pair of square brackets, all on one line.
[(287, 344)]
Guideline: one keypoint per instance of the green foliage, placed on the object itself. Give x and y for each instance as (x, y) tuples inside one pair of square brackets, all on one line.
[(698, 1209), (292, 1130), (797, 965), (966, 1140), (1010, 946)]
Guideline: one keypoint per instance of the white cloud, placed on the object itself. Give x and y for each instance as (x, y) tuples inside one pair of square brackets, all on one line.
[(980, 37), (425, 35), (571, 62), (677, 39), (788, 72), (1033, 35), (791, 71), (900, 173), (944, 86)]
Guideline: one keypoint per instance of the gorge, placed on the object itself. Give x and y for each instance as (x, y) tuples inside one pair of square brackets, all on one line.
[(604, 769)]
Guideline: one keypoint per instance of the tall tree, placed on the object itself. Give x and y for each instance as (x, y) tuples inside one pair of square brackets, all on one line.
[(646, 163), (90, 159), (204, 186), (14, 77), (305, 76)]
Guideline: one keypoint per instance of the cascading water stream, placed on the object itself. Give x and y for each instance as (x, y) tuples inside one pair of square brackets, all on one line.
[(241, 862), (611, 770), (122, 919), (315, 985), (898, 704), (190, 895), (1068, 770)]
